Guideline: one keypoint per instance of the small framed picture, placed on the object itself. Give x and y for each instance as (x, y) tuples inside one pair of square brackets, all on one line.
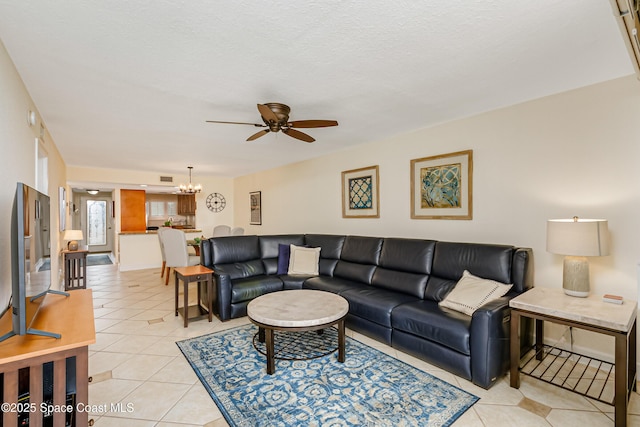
[(360, 194), (441, 186), (256, 207), (62, 205)]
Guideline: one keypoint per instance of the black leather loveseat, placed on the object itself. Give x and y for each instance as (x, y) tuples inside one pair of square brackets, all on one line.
[(393, 286)]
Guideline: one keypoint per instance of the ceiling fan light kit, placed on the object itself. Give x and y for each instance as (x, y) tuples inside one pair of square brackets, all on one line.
[(276, 118)]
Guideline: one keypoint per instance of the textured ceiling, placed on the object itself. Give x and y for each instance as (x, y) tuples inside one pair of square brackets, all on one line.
[(129, 84)]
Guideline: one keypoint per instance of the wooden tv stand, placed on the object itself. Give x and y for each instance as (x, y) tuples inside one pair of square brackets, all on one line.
[(72, 317)]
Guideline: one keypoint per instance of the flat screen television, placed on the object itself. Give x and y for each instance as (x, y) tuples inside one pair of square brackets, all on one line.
[(30, 259)]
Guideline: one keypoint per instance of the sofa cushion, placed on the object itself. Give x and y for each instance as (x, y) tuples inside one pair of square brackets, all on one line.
[(484, 260), (240, 270), (269, 245), (400, 281), (269, 250), (230, 249), (303, 260), (362, 250), (471, 292), (330, 248), (332, 284), (293, 282), (252, 287), (410, 255), (451, 259), (354, 272), (438, 288), (427, 320), (331, 244), (404, 266), (374, 304)]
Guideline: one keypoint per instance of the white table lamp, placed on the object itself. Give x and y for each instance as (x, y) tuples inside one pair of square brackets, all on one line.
[(72, 236), (577, 239)]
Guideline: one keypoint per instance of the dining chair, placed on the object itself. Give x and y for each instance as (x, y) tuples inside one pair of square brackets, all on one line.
[(164, 258), (237, 231), (221, 230), (176, 252)]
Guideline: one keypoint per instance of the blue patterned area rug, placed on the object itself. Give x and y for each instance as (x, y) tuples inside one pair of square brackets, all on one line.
[(369, 389)]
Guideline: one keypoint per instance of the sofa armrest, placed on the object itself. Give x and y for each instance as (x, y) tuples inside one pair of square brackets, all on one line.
[(489, 336), (223, 294)]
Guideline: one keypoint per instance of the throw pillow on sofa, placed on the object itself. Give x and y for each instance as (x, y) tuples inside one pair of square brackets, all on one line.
[(303, 261), (284, 252), (471, 292)]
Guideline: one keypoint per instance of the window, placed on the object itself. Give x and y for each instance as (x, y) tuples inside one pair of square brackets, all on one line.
[(172, 208), (157, 209), (161, 207)]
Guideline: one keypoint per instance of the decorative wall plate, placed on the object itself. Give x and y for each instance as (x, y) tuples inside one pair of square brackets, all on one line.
[(216, 202)]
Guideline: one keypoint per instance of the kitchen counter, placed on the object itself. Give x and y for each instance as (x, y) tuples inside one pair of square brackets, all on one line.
[(141, 249), (186, 230)]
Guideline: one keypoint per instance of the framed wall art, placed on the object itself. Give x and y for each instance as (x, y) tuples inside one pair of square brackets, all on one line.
[(255, 198), (441, 186), (360, 195), (62, 205)]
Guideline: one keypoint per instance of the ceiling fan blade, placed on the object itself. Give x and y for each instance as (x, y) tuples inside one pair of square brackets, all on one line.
[(298, 135), (312, 123), (257, 135), (267, 114), (237, 123)]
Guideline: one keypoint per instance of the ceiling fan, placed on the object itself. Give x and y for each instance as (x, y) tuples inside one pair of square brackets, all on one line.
[(276, 118)]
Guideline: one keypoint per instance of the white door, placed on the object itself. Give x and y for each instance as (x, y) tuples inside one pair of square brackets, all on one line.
[(97, 223)]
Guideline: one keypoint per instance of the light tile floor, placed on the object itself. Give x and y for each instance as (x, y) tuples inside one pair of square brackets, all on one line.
[(135, 362)]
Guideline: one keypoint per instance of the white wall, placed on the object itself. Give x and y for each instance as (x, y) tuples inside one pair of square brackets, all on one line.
[(576, 153), (18, 164)]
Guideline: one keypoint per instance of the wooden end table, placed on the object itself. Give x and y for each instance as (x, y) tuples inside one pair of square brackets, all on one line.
[(75, 269), (297, 310), (196, 273), (592, 314)]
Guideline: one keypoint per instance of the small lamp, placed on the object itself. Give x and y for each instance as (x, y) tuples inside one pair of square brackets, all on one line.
[(72, 236), (577, 239)]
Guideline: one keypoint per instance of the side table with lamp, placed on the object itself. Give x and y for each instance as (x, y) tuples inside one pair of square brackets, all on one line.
[(577, 239), (75, 261), (574, 307)]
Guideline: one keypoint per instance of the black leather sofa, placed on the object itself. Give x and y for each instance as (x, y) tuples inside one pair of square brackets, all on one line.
[(393, 286)]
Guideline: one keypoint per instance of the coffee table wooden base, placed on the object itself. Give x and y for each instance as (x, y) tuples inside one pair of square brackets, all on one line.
[(266, 335), (297, 310)]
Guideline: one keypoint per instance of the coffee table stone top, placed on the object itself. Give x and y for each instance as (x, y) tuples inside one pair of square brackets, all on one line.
[(297, 308)]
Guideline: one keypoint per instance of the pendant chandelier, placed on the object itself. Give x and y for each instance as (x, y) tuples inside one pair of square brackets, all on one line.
[(190, 188)]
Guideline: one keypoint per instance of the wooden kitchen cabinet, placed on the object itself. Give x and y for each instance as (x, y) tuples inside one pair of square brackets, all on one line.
[(132, 214), (186, 204)]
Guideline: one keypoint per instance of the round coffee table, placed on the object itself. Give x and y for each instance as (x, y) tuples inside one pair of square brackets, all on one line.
[(297, 310)]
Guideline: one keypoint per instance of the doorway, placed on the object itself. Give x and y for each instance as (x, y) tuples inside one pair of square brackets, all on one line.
[(95, 217)]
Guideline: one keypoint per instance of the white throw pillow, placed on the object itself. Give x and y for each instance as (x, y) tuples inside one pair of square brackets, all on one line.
[(304, 260), (471, 292)]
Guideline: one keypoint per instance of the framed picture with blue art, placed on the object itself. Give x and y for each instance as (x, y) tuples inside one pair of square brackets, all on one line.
[(360, 196), (441, 186)]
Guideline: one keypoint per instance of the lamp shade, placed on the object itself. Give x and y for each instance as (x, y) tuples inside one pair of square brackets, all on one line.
[(73, 235), (578, 237)]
